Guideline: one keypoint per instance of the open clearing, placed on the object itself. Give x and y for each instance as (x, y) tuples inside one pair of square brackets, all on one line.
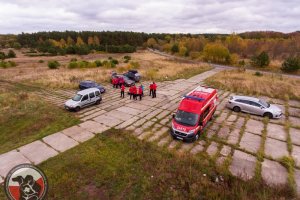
[(257, 150), (152, 67)]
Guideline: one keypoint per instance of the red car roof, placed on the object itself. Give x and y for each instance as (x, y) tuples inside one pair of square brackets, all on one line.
[(195, 100)]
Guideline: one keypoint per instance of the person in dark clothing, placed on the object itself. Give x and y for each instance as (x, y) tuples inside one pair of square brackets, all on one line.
[(154, 86), (122, 91)]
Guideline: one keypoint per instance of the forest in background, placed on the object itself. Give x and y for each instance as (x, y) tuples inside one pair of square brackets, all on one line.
[(257, 49)]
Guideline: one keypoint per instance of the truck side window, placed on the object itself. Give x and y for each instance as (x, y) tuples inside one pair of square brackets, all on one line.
[(92, 95), (204, 114), (85, 98), (97, 93)]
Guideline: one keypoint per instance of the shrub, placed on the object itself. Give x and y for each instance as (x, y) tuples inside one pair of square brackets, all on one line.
[(110, 58), (73, 65), (41, 61), (258, 74), (216, 53), (291, 64), (108, 64), (4, 64), (127, 57), (11, 54), (262, 60), (53, 64), (98, 63), (175, 48), (114, 61), (2, 56), (73, 59)]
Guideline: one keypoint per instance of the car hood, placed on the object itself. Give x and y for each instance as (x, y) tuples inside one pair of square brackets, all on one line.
[(274, 108), (71, 103)]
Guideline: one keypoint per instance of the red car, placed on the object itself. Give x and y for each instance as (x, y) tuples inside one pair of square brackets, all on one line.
[(194, 111)]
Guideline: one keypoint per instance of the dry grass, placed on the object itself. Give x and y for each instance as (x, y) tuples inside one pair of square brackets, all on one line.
[(275, 86), (152, 67)]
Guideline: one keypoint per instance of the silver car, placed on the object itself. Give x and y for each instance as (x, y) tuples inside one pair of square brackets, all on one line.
[(84, 98), (254, 106)]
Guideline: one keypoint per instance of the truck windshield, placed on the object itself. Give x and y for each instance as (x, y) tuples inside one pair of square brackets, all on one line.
[(186, 118), (77, 97)]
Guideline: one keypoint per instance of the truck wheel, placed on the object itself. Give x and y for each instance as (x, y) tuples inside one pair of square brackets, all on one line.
[(77, 108), (269, 115), (236, 109), (98, 102)]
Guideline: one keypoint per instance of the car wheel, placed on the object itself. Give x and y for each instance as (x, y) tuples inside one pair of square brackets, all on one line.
[(269, 115), (236, 109), (98, 102), (77, 108)]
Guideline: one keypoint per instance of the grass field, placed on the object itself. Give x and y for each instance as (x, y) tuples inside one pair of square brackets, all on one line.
[(25, 118), (115, 165), (275, 86), (151, 66)]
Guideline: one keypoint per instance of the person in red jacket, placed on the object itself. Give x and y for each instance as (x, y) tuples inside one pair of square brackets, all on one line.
[(134, 91), (131, 91), (140, 92), (122, 91), (113, 81), (121, 81), (151, 89), (154, 86)]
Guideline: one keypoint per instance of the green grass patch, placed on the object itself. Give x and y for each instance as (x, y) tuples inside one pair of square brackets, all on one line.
[(24, 118), (116, 165)]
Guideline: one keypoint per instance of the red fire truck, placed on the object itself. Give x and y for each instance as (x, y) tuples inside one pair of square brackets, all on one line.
[(194, 111)]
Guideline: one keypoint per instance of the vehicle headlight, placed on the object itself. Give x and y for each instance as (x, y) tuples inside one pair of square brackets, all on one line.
[(192, 131)]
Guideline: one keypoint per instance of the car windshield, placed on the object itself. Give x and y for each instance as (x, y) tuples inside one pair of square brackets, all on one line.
[(186, 118), (265, 104), (77, 97)]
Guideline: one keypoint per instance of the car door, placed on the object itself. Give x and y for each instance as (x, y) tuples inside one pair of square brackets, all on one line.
[(245, 105), (85, 101), (92, 97), (256, 108)]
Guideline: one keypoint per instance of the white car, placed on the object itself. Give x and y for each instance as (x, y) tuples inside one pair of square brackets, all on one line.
[(254, 106), (84, 98)]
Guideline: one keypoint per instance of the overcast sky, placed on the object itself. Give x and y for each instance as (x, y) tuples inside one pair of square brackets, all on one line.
[(170, 16)]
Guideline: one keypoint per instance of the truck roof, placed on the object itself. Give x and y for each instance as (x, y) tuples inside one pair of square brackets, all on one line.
[(87, 91), (195, 100)]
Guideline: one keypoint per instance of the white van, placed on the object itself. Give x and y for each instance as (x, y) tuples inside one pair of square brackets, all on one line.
[(84, 98)]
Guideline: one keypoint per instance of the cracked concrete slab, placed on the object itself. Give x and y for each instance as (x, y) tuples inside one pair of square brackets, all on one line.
[(60, 142), (94, 127), (243, 165), (9, 160), (108, 120), (276, 131), (250, 142), (254, 126), (78, 133), (37, 152), (275, 148), (273, 173), (295, 135)]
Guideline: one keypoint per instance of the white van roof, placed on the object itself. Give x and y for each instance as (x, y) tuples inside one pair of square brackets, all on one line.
[(87, 91)]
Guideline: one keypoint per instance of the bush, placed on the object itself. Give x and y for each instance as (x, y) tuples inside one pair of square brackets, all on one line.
[(11, 54), (4, 64), (73, 59), (262, 60), (175, 48), (98, 63), (258, 74), (291, 64), (53, 64), (127, 57), (217, 53), (2, 56), (114, 61), (82, 64), (108, 64), (73, 65), (41, 61)]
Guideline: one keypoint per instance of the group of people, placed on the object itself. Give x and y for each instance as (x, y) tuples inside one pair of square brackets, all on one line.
[(135, 92), (117, 82)]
